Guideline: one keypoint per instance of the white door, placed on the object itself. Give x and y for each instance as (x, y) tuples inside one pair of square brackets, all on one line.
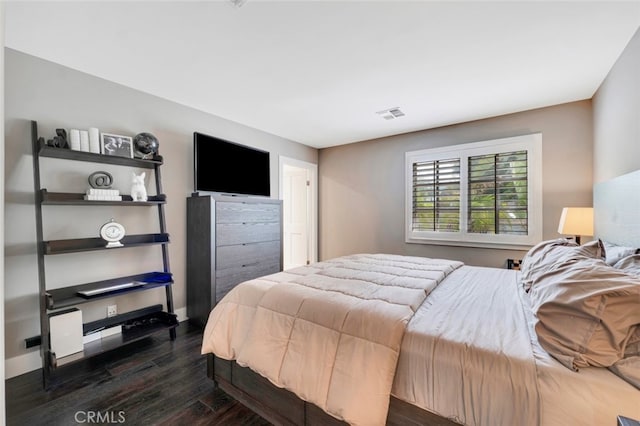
[(297, 183)]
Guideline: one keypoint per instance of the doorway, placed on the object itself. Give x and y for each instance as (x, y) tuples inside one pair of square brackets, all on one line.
[(299, 194)]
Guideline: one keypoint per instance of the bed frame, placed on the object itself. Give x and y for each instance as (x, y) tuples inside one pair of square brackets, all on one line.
[(615, 220), (281, 407)]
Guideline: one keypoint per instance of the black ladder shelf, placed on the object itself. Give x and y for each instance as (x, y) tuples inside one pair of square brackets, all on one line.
[(136, 324)]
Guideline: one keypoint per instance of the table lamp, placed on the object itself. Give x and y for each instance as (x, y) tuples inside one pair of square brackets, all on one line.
[(576, 221)]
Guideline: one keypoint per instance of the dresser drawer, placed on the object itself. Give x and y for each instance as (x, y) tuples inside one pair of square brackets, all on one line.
[(246, 254), (247, 212), (242, 233), (226, 279)]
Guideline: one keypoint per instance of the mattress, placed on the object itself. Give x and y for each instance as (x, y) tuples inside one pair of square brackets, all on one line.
[(470, 354), (469, 350)]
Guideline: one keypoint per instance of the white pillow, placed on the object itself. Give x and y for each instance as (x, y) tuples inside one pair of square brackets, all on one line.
[(615, 252), (629, 264), (587, 312)]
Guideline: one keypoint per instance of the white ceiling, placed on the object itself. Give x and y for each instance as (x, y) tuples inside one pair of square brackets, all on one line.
[(316, 72)]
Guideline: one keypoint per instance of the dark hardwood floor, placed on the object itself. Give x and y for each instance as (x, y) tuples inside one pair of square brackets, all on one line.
[(151, 382)]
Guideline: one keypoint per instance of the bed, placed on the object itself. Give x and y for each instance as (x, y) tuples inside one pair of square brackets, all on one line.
[(379, 338)]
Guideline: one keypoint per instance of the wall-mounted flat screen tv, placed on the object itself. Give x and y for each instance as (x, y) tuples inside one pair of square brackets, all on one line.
[(229, 168)]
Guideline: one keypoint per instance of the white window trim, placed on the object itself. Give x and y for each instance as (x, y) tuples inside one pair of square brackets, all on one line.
[(532, 143)]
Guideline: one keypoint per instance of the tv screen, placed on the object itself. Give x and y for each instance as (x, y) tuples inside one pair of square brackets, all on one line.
[(230, 168)]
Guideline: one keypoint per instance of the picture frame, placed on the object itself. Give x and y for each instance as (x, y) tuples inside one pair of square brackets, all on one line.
[(116, 145)]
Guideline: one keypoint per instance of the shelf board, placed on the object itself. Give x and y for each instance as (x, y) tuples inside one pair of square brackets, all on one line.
[(69, 154), (90, 244), (68, 296), (74, 199), (160, 321), (112, 342)]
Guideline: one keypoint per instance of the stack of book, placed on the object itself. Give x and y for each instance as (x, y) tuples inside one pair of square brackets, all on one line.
[(94, 194)]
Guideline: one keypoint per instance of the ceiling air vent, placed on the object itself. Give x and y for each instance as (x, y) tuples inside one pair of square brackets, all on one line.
[(391, 113)]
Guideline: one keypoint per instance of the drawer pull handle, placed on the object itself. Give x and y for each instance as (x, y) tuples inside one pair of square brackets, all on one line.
[(250, 264)]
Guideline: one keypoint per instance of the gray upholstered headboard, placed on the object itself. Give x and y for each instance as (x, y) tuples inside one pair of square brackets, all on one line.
[(616, 206)]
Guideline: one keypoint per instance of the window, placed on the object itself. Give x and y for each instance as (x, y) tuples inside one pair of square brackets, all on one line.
[(497, 195), (436, 195), (485, 194)]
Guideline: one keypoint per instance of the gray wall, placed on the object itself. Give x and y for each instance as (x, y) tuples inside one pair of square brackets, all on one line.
[(616, 117), (361, 194), (55, 97), (362, 184)]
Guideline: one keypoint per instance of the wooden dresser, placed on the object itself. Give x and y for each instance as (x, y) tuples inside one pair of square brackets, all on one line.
[(229, 240)]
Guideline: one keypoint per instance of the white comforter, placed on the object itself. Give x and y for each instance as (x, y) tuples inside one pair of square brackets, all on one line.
[(330, 332), (470, 353)]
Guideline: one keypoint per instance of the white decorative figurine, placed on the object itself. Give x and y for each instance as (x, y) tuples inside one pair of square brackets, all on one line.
[(138, 191)]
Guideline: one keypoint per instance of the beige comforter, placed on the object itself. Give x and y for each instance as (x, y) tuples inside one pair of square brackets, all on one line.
[(330, 332)]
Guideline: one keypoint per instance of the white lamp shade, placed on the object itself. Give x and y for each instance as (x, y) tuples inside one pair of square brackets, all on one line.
[(576, 221)]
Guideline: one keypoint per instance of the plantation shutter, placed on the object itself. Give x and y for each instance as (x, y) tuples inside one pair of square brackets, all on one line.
[(498, 193), (436, 195)]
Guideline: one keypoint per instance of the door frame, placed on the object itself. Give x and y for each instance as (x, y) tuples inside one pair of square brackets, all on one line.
[(312, 200)]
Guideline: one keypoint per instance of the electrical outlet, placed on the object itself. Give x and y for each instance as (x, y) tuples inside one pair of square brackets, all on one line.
[(112, 310)]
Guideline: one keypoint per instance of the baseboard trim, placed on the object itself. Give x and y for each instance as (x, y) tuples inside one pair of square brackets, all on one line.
[(22, 364)]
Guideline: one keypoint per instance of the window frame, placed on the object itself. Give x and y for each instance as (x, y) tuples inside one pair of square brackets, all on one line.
[(532, 143)]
